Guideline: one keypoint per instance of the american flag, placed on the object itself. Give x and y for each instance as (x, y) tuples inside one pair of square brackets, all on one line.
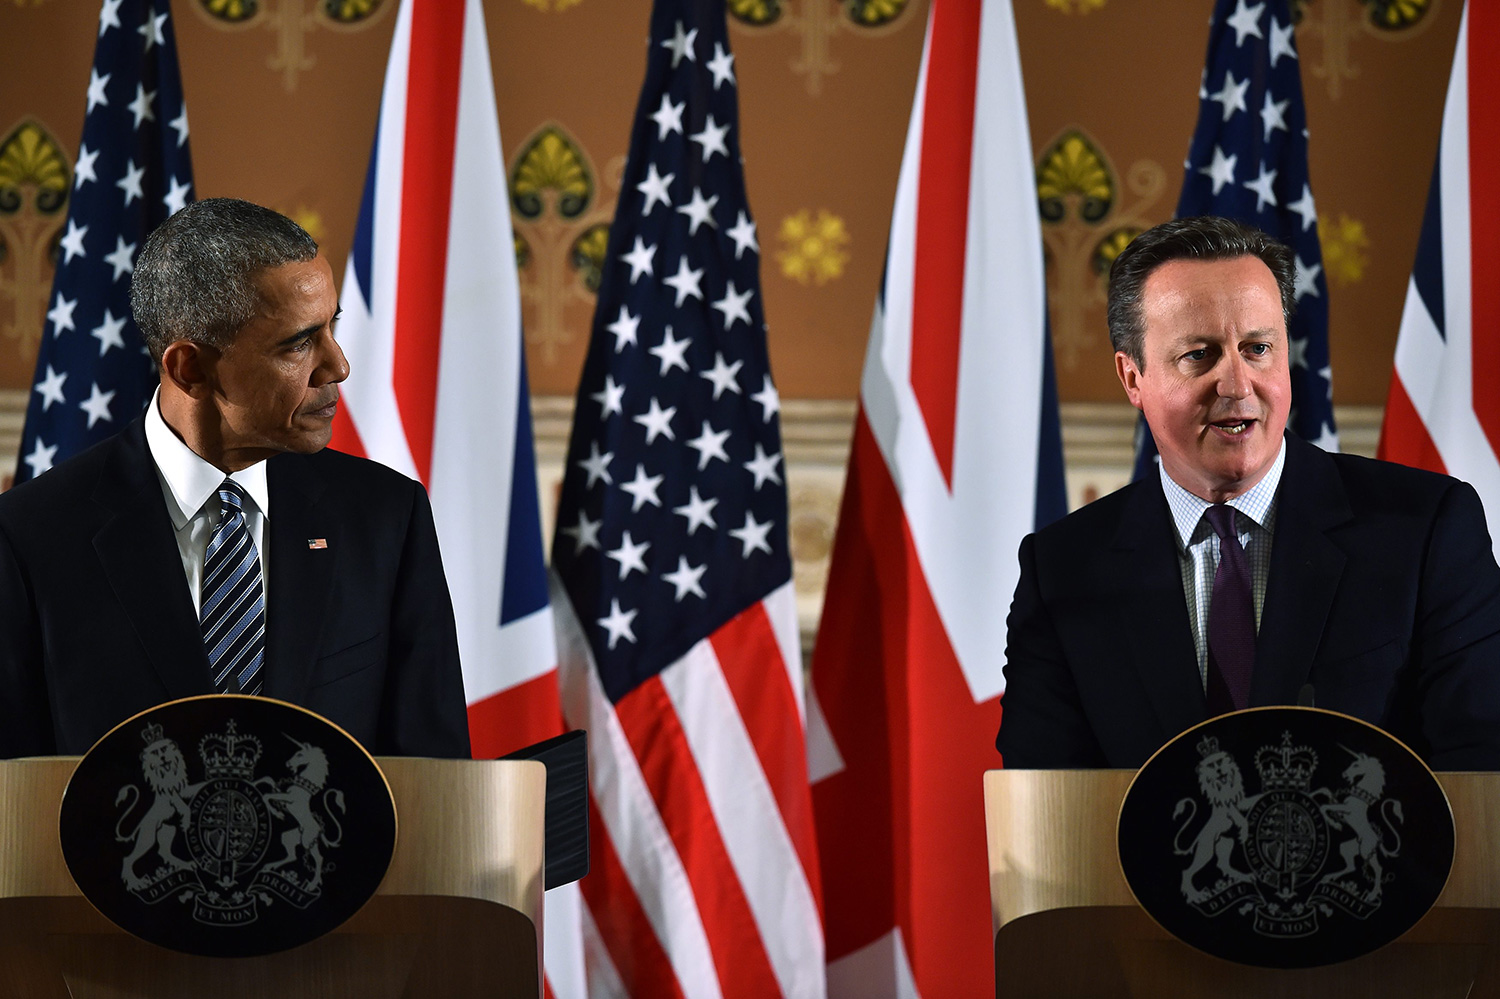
[(677, 631), (1443, 412), (1248, 161), (93, 374)]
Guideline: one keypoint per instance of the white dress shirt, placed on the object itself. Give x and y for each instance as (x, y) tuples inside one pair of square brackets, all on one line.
[(190, 486), (1198, 546)]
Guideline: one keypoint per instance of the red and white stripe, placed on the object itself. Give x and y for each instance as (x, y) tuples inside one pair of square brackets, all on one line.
[(1443, 412), (703, 883), (436, 378), (940, 491)]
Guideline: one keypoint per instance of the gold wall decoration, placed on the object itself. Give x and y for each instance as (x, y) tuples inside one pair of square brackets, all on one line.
[(1085, 225), (35, 178), (1344, 244), (813, 247), (561, 237), (817, 22), (552, 6), (874, 13), (292, 21), (310, 219), (755, 12), (1076, 6), (1337, 26)]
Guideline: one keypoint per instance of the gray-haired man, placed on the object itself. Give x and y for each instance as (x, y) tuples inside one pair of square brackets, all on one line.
[(213, 544)]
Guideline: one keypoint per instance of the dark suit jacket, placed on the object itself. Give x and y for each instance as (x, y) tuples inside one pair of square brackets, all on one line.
[(1383, 594), (96, 621)]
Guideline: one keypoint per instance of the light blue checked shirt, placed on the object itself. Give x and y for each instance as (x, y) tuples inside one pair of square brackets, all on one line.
[(1198, 546)]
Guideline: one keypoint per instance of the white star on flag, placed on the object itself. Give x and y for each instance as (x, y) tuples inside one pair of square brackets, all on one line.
[(672, 352), (685, 282), (624, 328), (629, 555), (711, 139), (72, 242), (1232, 95), (97, 405), (685, 578), (654, 187), (50, 387), (699, 211), (642, 489), (657, 421), (722, 375)]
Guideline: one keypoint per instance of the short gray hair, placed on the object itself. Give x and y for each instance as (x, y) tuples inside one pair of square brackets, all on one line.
[(195, 277), (1202, 237)]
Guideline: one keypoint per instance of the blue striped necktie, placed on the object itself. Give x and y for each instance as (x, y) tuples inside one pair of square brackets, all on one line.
[(233, 612)]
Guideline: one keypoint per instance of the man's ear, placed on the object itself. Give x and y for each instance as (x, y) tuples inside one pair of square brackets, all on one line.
[(188, 366), (1129, 374)]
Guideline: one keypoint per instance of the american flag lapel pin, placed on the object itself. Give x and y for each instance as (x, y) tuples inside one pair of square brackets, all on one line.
[(316, 543)]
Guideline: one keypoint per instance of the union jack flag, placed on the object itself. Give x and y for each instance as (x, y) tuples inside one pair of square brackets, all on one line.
[(1443, 412), (93, 374), (677, 629), (1248, 161)]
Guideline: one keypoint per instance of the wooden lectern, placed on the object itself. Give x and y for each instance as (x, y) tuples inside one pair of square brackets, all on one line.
[(458, 914), (1066, 924)]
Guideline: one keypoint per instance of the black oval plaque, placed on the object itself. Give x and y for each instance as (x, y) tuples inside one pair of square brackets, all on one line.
[(1286, 837), (227, 826)]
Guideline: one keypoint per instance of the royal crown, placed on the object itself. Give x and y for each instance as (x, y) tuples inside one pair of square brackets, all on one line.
[(1208, 746), (1286, 767), (229, 754)]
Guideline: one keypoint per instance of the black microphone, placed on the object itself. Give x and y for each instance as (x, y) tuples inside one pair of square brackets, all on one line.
[(1305, 696)]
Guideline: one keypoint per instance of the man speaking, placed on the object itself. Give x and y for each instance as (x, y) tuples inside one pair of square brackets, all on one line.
[(213, 544), (1254, 568)]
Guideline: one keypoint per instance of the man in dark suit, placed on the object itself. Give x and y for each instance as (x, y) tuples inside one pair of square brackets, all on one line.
[(1255, 568), (214, 544)]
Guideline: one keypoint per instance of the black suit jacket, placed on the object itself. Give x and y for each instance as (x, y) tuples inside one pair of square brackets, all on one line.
[(96, 621), (1383, 594)]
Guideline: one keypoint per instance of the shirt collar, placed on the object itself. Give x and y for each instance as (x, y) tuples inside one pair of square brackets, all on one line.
[(1257, 502), (189, 480)]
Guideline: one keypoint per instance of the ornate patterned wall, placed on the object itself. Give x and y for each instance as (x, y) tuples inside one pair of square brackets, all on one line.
[(284, 93)]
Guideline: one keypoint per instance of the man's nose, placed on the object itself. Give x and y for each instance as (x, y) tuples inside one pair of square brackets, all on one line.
[(334, 366), (1234, 376)]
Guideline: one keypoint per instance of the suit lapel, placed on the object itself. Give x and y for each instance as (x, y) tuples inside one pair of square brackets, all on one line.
[(136, 545), (1154, 611), (301, 576), (1304, 575)]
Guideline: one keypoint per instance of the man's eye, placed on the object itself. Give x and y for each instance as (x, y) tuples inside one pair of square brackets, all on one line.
[(1195, 355), (1258, 349)]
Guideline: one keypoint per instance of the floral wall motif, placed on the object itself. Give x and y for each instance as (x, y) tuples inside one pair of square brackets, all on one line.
[(291, 21), (1086, 222), (561, 234), (817, 23), (35, 176), (1330, 33)]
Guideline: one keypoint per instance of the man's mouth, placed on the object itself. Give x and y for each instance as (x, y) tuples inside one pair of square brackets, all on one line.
[(1233, 427)]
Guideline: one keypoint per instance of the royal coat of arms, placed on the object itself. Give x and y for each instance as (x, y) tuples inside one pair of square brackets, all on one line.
[(227, 825), (1290, 852), (231, 842), (1286, 837)]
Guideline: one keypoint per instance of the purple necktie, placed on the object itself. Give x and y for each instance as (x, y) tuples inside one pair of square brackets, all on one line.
[(1231, 620)]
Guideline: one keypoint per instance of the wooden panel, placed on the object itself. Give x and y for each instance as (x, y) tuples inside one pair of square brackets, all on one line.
[(1057, 892), (456, 914)]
